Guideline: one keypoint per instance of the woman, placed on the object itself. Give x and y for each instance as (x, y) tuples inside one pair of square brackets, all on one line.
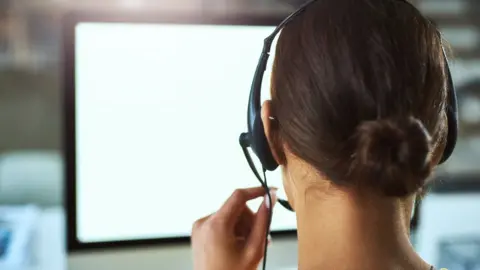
[(358, 97)]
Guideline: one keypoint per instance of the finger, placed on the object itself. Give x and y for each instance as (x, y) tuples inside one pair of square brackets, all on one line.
[(244, 223), (241, 240), (197, 224), (256, 240), (234, 205)]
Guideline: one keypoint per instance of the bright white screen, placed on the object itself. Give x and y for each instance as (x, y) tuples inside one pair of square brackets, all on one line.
[(159, 109)]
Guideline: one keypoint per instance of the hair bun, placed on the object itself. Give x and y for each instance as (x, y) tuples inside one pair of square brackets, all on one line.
[(393, 155)]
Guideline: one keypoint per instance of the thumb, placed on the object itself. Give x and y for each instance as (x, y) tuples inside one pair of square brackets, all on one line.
[(256, 243)]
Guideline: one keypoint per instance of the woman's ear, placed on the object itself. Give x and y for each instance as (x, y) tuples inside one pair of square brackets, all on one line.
[(271, 132)]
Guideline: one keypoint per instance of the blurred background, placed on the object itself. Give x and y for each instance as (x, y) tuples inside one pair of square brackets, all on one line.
[(31, 92)]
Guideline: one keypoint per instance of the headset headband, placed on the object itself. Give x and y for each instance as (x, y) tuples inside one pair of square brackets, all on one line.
[(254, 103)]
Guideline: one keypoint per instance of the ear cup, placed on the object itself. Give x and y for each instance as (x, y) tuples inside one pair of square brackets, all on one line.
[(452, 117), (260, 146)]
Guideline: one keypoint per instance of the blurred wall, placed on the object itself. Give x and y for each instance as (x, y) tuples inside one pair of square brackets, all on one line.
[(30, 115)]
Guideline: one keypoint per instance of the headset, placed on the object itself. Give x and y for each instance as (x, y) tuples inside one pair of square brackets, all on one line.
[(256, 139)]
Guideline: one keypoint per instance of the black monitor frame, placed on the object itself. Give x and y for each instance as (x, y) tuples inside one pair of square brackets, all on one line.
[(68, 45)]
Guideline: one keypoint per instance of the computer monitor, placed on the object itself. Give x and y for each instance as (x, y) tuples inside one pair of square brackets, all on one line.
[(154, 106)]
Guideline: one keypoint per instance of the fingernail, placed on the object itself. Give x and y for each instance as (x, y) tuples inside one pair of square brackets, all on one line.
[(273, 195)]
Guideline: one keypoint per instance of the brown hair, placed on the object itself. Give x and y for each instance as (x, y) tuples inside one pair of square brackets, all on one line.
[(358, 87)]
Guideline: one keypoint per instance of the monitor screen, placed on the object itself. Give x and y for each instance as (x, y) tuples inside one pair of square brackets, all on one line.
[(158, 113)]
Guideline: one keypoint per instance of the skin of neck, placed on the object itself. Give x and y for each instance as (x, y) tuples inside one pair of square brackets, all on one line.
[(345, 229)]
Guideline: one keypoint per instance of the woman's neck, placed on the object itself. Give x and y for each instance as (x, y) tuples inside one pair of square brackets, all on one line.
[(344, 231)]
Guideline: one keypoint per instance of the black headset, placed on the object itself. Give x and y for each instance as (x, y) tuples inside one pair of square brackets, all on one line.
[(256, 139)]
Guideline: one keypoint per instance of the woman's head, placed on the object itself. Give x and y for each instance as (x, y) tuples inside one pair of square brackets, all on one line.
[(358, 94)]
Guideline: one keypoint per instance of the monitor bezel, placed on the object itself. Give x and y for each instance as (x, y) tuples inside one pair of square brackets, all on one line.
[(68, 50)]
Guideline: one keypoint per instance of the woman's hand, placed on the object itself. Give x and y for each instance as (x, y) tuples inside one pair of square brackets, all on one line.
[(234, 237)]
